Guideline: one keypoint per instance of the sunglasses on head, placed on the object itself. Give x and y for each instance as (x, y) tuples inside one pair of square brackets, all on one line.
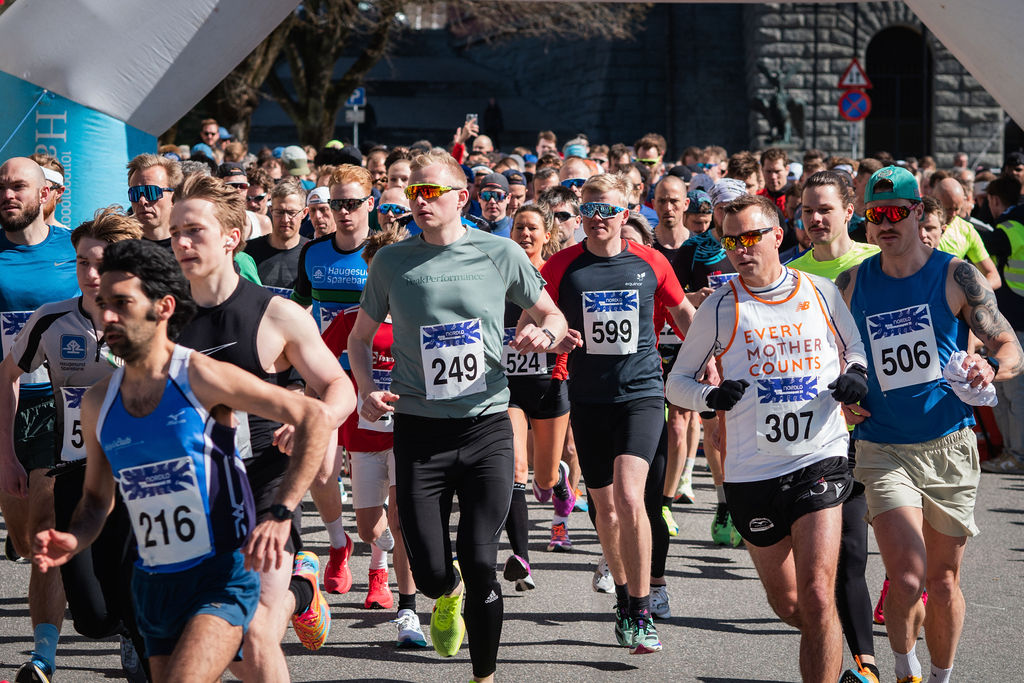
[(492, 195), (746, 239), (151, 192), (573, 182), (256, 197), (394, 209), (877, 214), (563, 216), (427, 191), (600, 209), (349, 205)]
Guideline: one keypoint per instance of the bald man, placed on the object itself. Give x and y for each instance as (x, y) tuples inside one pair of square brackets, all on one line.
[(482, 143), (959, 237), (37, 266), (573, 173)]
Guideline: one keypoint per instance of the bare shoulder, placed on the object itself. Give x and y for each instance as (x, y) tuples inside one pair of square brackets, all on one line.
[(287, 317)]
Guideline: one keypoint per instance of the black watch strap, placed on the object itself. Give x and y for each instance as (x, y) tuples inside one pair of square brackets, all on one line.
[(994, 363), (280, 512)]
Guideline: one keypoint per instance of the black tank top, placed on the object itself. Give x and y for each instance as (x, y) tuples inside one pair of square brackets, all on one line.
[(227, 332)]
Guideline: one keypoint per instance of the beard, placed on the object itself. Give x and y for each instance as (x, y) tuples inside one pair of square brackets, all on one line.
[(18, 223)]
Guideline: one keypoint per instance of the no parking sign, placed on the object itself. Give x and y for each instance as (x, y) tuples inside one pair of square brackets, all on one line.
[(854, 105)]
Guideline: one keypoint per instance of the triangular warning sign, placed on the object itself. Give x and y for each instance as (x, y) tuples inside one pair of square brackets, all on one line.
[(854, 77)]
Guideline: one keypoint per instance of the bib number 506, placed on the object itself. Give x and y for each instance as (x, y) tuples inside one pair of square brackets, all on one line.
[(905, 358), (183, 526)]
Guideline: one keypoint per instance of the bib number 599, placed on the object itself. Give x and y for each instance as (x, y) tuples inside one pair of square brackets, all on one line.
[(183, 526), (611, 331), (905, 358)]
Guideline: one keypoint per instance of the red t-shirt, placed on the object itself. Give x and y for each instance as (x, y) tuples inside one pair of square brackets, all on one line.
[(352, 436)]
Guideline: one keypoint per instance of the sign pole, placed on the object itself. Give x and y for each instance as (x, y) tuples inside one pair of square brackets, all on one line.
[(355, 128)]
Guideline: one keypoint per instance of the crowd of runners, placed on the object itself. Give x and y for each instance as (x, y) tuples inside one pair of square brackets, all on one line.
[(440, 323)]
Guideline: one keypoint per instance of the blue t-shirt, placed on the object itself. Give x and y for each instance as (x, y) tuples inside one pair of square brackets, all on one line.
[(31, 276), (329, 279)]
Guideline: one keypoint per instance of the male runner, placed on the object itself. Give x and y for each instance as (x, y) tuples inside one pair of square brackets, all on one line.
[(161, 427), (37, 266), (267, 335), (607, 287), (64, 336), (446, 291), (916, 454), (785, 334)]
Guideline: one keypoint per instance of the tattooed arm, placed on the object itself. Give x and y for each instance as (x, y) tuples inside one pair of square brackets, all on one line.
[(971, 298)]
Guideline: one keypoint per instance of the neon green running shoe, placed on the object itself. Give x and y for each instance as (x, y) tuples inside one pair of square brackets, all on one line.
[(670, 522), (447, 627), (721, 526)]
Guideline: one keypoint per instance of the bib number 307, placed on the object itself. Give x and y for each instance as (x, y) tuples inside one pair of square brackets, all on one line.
[(453, 359)]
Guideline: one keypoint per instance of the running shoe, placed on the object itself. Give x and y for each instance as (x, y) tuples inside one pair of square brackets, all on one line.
[(910, 679), (131, 665), (542, 495), (337, 574), (603, 581), (560, 542), (670, 521), (735, 538), (447, 627), (645, 636), (516, 568), (410, 634), (581, 502), (379, 594), (623, 629), (858, 676), (525, 584), (879, 615), (313, 625), (721, 525), (659, 602), (385, 541), (1004, 464), (35, 670), (684, 492), (564, 506)]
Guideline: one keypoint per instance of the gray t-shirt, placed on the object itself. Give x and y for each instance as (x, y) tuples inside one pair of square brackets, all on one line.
[(447, 306)]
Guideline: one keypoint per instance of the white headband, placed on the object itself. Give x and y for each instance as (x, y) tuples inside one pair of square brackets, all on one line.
[(53, 176)]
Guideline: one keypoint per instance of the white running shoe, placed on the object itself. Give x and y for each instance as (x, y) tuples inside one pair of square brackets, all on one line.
[(659, 602), (410, 634), (684, 492), (603, 581)]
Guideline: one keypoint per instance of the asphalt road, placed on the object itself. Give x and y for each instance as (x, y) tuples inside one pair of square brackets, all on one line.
[(721, 630)]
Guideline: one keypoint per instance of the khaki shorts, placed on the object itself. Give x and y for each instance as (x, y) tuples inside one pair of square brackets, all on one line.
[(939, 476), (372, 476)]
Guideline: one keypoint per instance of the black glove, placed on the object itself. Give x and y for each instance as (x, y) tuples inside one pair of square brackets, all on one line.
[(727, 395), (851, 386)]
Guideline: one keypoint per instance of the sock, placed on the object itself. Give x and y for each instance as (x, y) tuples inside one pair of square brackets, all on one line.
[(939, 675), (666, 502), (639, 607), (688, 468), (302, 589), (458, 582), (336, 532), (622, 598), (406, 601), (907, 665), (720, 492), (561, 487), (46, 636), (517, 526), (378, 558)]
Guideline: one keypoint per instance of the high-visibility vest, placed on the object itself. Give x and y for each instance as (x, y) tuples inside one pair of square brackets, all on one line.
[(1013, 272)]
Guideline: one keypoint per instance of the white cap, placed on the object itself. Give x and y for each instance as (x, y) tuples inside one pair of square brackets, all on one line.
[(726, 190), (318, 195)]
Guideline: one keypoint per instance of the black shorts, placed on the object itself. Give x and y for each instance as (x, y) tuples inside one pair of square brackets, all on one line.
[(265, 476), (605, 431), (764, 511), (540, 396), (34, 442), (668, 353)]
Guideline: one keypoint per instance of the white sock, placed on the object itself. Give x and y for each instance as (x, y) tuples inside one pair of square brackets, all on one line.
[(688, 468), (907, 665), (939, 675), (336, 532), (378, 558)]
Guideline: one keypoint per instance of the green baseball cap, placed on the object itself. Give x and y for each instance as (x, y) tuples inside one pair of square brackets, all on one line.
[(892, 182)]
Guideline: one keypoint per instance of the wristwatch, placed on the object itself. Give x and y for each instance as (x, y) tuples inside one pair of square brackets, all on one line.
[(280, 512), (550, 335), (994, 363)]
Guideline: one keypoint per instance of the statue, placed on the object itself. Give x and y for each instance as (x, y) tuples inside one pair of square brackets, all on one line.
[(784, 113)]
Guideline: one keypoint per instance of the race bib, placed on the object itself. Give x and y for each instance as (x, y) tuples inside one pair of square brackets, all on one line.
[(611, 322), (790, 411), (279, 291), (386, 423), (73, 447), (516, 363), (453, 359), (903, 348), (11, 323), (716, 280), (167, 511), (326, 313)]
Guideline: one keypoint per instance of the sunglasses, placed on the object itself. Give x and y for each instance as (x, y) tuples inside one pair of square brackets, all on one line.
[(151, 192), (394, 209), (256, 198), (349, 205), (239, 186), (746, 239), (649, 162), (705, 167), (600, 209), (493, 196), (895, 214), (428, 191), (599, 160), (573, 182), (563, 216)]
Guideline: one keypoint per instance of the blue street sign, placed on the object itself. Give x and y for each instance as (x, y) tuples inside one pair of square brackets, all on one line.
[(854, 105), (357, 98)]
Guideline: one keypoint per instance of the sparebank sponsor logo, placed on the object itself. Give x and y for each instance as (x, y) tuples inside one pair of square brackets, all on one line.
[(72, 347)]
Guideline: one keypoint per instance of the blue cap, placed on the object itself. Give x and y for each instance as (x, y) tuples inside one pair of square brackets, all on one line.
[(224, 133), (700, 202), (278, 152), (202, 148)]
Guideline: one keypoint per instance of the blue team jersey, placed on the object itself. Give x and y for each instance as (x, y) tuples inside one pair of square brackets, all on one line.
[(180, 476), (330, 279), (909, 333), (31, 276)]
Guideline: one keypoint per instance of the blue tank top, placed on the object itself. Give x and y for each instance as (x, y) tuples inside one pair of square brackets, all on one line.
[(180, 477), (330, 279), (909, 333)]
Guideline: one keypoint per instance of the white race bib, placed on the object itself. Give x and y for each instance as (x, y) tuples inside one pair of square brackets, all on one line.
[(73, 447), (167, 511), (516, 363), (453, 359), (280, 291), (386, 423), (11, 323), (326, 313), (903, 348), (611, 321), (716, 280), (790, 411)]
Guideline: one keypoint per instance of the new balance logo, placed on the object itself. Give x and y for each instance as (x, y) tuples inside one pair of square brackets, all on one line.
[(491, 598), (803, 306)]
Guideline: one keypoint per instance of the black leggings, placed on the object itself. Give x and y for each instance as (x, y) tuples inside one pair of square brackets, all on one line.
[(96, 580), (852, 597), (436, 459)]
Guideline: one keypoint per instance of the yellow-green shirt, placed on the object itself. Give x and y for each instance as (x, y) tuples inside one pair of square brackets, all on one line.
[(831, 269), (961, 239)]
